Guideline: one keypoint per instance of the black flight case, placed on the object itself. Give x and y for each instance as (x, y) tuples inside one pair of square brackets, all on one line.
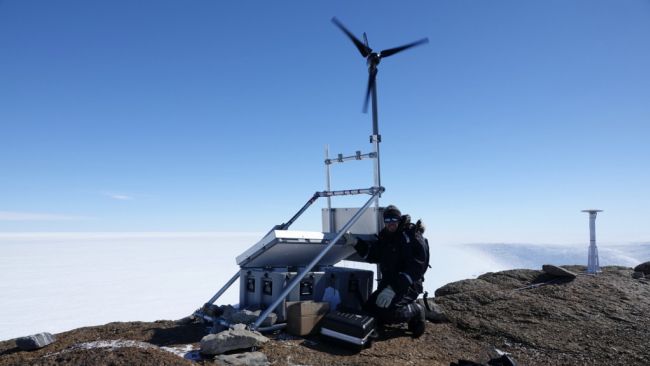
[(347, 328)]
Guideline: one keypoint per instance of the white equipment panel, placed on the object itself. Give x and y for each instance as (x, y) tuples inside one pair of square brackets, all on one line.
[(368, 223)]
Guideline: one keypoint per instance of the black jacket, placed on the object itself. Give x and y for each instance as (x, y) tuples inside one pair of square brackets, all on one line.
[(402, 257)]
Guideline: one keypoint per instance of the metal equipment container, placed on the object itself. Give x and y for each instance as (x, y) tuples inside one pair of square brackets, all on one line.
[(250, 289), (260, 287), (354, 286)]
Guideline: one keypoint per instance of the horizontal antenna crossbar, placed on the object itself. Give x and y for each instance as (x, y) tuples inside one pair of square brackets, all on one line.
[(349, 192), (358, 156)]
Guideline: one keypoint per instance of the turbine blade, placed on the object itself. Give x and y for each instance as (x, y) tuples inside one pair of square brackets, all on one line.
[(392, 51), (363, 49), (369, 89)]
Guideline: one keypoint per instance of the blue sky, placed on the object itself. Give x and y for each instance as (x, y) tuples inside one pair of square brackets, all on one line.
[(213, 116)]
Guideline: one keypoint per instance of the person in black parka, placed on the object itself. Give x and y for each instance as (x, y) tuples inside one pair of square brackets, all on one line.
[(403, 256)]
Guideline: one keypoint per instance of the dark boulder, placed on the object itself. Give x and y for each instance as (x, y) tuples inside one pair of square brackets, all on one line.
[(34, 341), (643, 267)]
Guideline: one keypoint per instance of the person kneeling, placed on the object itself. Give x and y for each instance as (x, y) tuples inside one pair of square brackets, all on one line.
[(403, 257)]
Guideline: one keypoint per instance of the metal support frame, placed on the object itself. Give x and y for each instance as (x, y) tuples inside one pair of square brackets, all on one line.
[(285, 225), (342, 159), (223, 289), (328, 185), (199, 312), (224, 323), (375, 139), (328, 193), (375, 191), (349, 192)]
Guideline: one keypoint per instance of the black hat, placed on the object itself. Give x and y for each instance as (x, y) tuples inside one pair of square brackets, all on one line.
[(392, 211)]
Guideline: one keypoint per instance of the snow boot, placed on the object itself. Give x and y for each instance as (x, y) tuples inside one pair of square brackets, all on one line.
[(417, 323)]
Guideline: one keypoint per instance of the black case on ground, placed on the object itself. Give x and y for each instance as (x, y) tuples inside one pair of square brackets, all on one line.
[(349, 328)]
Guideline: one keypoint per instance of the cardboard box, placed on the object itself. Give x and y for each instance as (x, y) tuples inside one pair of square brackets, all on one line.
[(302, 316)]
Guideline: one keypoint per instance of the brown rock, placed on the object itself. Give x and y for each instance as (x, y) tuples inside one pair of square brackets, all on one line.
[(557, 271)]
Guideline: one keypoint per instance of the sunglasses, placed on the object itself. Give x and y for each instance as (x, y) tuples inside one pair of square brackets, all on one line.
[(388, 220)]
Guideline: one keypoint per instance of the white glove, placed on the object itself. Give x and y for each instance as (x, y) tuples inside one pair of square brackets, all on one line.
[(350, 239), (385, 297)]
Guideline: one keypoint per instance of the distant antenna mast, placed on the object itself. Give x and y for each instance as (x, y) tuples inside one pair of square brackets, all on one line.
[(593, 266)]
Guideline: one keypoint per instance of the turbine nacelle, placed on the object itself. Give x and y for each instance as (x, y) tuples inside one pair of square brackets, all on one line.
[(373, 60)]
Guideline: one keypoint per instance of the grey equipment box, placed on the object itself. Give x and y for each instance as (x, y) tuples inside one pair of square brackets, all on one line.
[(354, 286), (369, 223), (259, 287)]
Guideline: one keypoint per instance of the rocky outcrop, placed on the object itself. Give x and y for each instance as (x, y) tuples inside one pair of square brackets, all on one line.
[(236, 316), (643, 267), (586, 320), (556, 271), (244, 359), (35, 341), (230, 340)]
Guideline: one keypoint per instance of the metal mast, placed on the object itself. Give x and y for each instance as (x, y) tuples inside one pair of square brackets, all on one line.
[(593, 267)]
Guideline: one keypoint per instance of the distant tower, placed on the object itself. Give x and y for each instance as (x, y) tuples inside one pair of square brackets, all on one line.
[(592, 263)]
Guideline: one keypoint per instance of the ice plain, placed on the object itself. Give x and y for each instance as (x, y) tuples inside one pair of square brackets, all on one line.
[(55, 282)]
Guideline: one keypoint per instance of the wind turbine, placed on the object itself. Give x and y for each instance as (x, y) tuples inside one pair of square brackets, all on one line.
[(373, 59)]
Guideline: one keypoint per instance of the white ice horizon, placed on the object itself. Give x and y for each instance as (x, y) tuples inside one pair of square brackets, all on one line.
[(60, 281)]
